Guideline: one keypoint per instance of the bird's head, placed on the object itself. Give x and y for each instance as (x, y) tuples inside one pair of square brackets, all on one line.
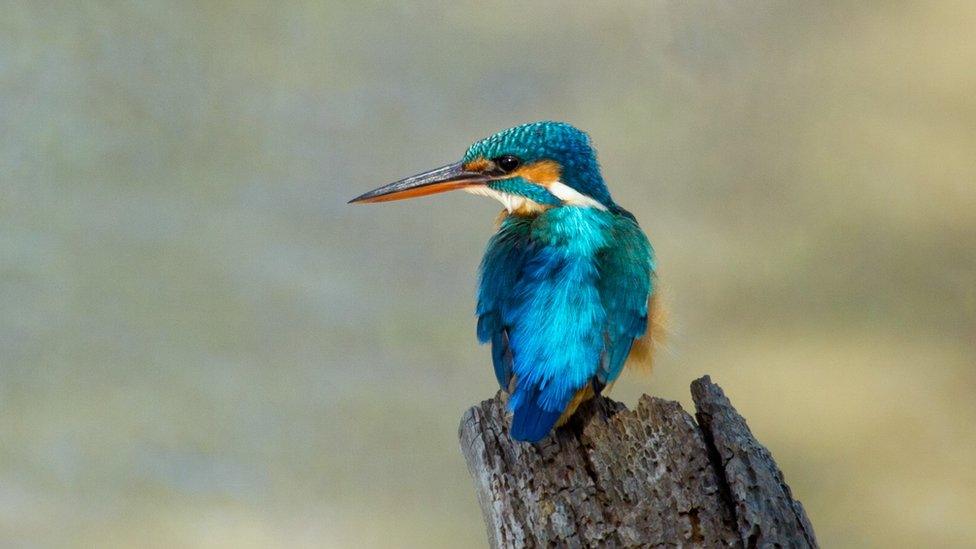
[(528, 168)]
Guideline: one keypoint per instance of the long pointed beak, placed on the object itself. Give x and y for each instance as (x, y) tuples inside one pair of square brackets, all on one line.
[(447, 178)]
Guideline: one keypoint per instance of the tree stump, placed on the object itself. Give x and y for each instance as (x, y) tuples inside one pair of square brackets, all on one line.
[(620, 478)]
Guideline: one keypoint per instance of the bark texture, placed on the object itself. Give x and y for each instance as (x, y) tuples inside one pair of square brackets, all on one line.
[(619, 478)]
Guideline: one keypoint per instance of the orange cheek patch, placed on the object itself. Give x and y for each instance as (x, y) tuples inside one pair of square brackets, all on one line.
[(477, 165), (542, 172)]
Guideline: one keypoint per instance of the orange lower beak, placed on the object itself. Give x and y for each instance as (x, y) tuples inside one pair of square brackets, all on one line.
[(447, 178)]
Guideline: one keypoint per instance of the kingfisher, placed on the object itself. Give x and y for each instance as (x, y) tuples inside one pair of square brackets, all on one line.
[(566, 291)]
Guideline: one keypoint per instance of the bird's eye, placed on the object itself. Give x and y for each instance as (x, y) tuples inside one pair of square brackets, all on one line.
[(507, 163)]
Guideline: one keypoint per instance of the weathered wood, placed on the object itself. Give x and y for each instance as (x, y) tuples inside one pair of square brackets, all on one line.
[(620, 478), (766, 514)]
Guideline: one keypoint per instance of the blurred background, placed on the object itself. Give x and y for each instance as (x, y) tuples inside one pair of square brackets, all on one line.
[(202, 345)]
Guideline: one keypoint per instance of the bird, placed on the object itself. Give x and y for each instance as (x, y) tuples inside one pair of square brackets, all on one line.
[(567, 288)]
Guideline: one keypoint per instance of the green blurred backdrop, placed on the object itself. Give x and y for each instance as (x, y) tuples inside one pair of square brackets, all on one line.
[(203, 345)]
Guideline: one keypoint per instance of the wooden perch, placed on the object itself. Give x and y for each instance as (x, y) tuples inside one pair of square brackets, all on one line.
[(620, 478)]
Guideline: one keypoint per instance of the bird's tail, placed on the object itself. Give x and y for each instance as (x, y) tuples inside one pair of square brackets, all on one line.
[(530, 422)]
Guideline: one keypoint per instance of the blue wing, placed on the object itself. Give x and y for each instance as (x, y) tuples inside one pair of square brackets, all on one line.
[(504, 259), (540, 306), (626, 267)]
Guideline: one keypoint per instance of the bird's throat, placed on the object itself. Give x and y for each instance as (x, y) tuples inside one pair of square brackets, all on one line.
[(513, 203)]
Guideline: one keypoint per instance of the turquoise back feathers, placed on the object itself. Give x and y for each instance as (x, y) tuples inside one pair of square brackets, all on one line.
[(561, 299)]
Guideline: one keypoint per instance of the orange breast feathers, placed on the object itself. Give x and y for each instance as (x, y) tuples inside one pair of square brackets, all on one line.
[(641, 357)]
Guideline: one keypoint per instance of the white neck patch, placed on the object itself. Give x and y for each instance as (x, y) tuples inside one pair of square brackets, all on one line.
[(513, 202), (573, 197)]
